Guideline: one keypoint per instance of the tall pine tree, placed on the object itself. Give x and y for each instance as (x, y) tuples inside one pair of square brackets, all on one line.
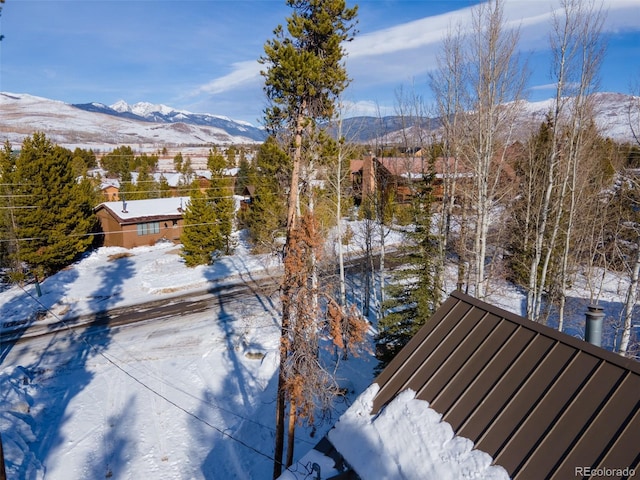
[(220, 194), (305, 74), (266, 218), (8, 239), (53, 212)]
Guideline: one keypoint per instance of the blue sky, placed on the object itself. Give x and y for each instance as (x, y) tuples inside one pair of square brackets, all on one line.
[(200, 55)]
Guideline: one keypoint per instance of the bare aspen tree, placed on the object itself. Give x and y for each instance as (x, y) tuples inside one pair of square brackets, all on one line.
[(631, 298), (342, 165), (581, 134), (631, 262), (577, 54), (376, 211), (495, 84), (590, 240), (447, 82), (367, 213), (624, 241), (338, 180)]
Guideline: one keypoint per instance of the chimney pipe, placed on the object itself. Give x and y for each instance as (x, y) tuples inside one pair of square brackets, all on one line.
[(593, 327)]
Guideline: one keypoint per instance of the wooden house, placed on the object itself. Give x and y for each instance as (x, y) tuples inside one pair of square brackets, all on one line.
[(110, 189), (398, 175), (135, 223)]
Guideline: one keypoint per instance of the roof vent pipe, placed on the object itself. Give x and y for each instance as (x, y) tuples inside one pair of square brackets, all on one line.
[(593, 328)]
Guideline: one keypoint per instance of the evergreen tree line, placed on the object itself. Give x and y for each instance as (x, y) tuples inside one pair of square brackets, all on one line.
[(47, 217)]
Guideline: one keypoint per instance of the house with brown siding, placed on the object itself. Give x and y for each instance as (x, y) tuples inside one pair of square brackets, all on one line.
[(397, 174), (540, 403), (135, 223), (110, 190)]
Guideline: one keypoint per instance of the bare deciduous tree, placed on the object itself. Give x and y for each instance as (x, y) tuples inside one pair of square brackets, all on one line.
[(632, 262), (447, 83), (494, 84), (577, 50)]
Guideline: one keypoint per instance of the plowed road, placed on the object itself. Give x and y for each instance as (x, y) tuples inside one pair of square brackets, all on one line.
[(195, 302)]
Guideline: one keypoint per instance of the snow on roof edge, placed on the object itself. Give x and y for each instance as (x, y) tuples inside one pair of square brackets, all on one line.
[(157, 207), (407, 439)]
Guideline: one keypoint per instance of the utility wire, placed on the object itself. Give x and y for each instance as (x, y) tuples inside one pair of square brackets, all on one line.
[(144, 385), (95, 234)]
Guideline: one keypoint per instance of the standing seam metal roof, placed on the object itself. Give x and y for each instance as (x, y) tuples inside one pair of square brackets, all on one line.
[(540, 402)]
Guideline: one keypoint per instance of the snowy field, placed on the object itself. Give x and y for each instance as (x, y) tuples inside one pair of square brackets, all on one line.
[(190, 397)]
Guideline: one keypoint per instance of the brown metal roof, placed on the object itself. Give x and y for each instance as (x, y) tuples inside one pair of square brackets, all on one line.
[(540, 402)]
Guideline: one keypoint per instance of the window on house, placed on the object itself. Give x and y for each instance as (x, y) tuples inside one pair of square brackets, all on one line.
[(148, 228)]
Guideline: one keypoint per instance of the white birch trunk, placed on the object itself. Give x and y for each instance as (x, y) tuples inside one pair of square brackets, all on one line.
[(630, 303)]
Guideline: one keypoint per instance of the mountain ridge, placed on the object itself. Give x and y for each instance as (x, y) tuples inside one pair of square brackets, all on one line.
[(99, 126), (159, 113)]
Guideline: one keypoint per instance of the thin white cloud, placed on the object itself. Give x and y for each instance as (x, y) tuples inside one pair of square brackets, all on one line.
[(547, 86), (241, 75), (418, 33), (525, 14), (367, 108), (405, 52)]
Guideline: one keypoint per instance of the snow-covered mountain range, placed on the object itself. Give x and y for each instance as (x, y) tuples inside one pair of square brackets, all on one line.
[(147, 125), (611, 110), (613, 113), (158, 113), (98, 126)]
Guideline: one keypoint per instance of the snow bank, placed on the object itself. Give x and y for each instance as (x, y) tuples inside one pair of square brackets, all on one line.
[(407, 440)]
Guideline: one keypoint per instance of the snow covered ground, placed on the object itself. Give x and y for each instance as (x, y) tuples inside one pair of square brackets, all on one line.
[(179, 398)]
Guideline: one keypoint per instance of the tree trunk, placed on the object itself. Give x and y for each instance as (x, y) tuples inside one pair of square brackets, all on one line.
[(292, 221), (381, 270), (630, 303), (343, 284), (367, 267), (280, 400), (291, 434)]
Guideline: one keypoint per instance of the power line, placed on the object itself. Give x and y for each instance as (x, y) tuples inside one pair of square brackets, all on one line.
[(144, 385), (125, 193), (93, 234), (185, 187)]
